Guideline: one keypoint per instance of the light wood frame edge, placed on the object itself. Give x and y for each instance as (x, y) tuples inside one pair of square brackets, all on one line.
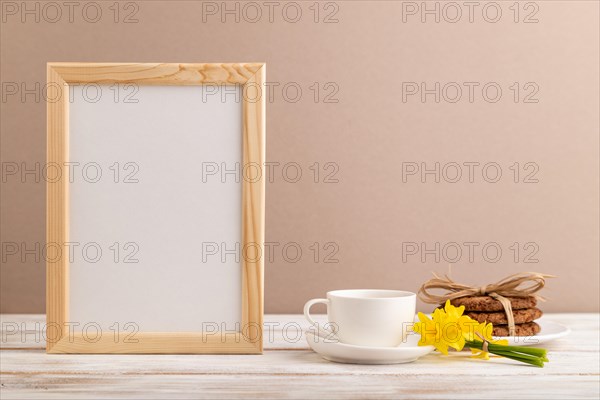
[(250, 76)]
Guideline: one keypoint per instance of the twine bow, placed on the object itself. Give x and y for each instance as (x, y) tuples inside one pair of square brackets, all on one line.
[(507, 287)]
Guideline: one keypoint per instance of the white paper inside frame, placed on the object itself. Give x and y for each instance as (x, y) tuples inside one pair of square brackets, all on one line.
[(152, 205)]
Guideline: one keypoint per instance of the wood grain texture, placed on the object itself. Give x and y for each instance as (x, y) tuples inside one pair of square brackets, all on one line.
[(157, 73), (57, 204), (157, 343), (253, 202), (290, 370), (251, 76)]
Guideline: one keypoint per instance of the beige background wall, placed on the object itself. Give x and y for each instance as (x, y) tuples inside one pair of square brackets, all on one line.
[(373, 214)]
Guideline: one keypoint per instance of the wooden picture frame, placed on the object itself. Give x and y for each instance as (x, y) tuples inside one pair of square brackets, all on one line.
[(249, 76)]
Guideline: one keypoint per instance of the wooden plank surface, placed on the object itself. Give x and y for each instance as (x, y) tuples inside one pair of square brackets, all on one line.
[(289, 369)]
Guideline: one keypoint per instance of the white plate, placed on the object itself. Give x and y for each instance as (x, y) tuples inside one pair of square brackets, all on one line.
[(351, 354), (549, 331)]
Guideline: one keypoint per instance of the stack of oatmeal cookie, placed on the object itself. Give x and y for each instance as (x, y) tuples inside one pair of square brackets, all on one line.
[(488, 309)]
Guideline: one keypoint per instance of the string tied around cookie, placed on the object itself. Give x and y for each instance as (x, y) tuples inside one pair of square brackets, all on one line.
[(522, 284)]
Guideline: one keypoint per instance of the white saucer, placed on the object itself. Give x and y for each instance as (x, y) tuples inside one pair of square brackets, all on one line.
[(351, 354), (549, 331)]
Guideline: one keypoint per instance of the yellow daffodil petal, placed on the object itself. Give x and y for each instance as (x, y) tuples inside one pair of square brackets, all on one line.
[(452, 311), (480, 354), (423, 317)]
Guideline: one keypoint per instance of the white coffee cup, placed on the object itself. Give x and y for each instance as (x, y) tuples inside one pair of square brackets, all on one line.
[(367, 317)]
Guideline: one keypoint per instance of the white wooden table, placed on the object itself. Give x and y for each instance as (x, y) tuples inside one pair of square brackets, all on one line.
[(289, 369)]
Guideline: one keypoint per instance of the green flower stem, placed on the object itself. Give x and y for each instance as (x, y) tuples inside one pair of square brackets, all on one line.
[(522, 358), (529, 355)]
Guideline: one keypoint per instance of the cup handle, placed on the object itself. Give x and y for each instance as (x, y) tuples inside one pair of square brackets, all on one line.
[(307, 307)]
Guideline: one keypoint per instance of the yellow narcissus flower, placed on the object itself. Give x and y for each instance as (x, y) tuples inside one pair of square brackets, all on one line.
[(448, 327), (430, 335), (445, 329)]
